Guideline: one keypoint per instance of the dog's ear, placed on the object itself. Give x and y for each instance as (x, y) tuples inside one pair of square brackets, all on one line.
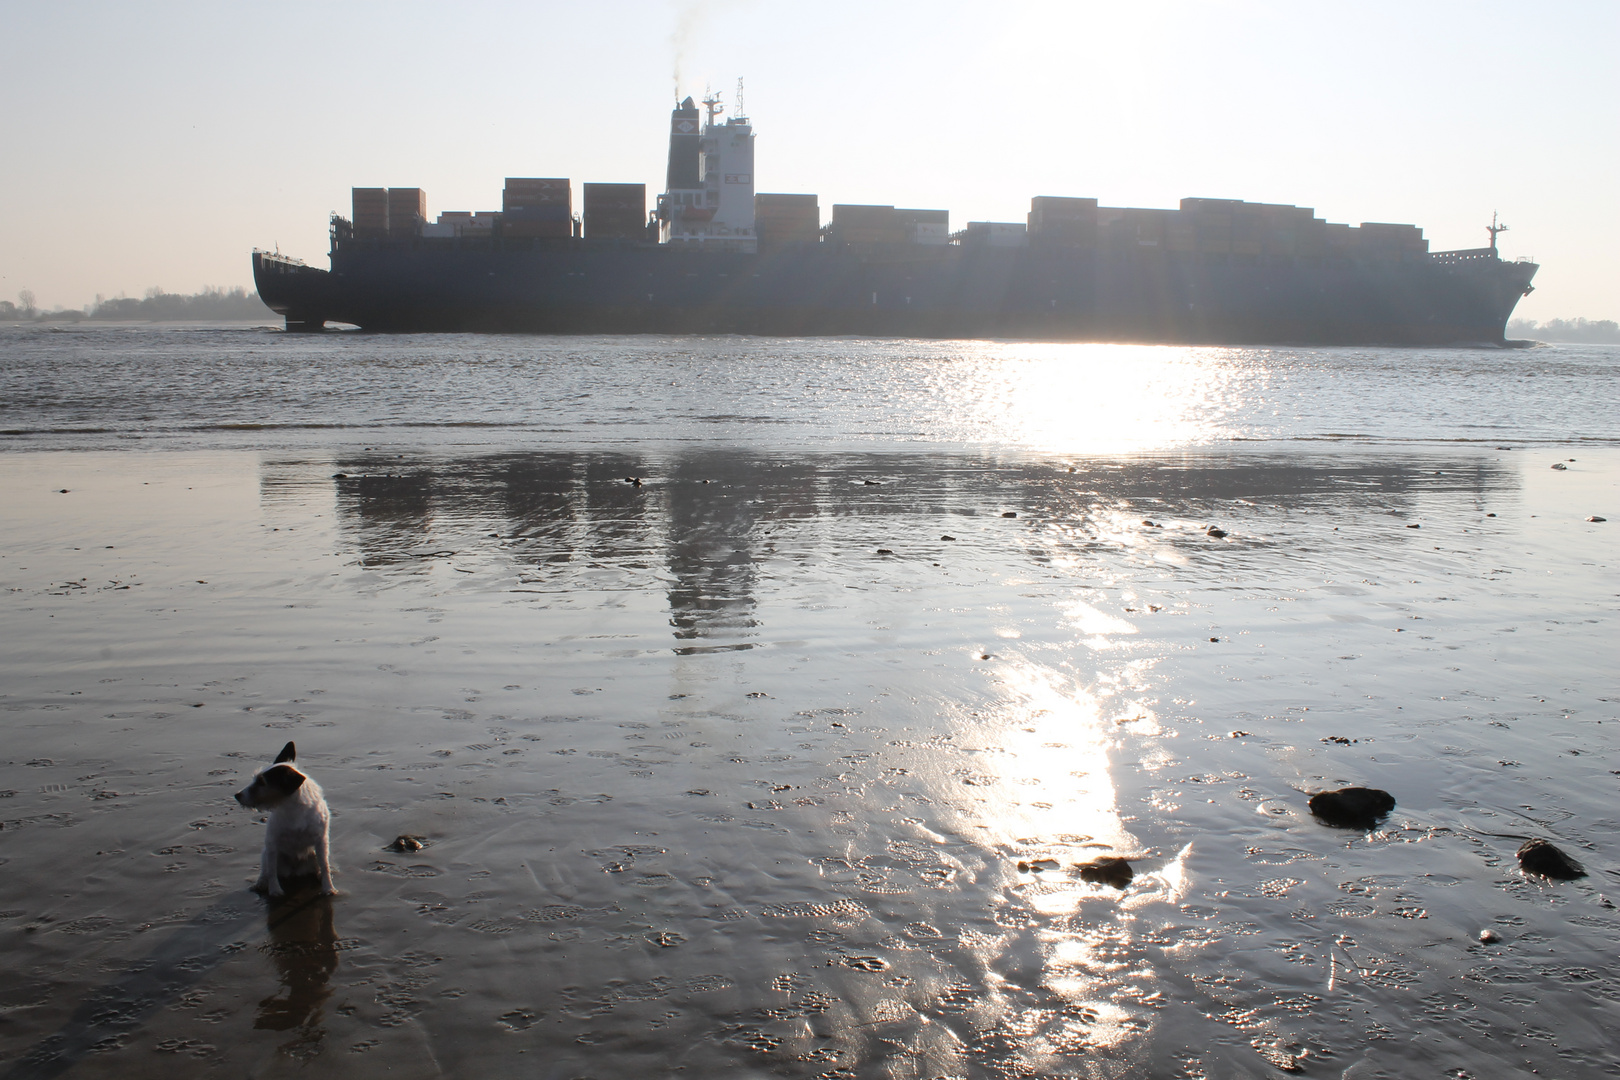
[(288, 752), (284, 778)]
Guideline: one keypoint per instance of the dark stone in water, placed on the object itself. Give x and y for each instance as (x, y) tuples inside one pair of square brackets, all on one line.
[(1489, 937), (1216, 532), (1540, 857), (1010, 513), (1109, 870), (1352, 807), (405, 843), (947, 537)]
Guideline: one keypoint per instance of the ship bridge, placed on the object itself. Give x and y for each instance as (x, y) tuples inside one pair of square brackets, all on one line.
[(709, 198)]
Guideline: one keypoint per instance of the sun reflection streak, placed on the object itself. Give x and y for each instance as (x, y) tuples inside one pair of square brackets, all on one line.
[(1102, 399), (1058, 736), (1057, 743)]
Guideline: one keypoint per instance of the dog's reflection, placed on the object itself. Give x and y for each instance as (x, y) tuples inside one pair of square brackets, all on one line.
[(303, 946)]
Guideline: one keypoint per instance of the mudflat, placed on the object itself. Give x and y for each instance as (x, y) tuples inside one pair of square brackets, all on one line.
[(706, 784)]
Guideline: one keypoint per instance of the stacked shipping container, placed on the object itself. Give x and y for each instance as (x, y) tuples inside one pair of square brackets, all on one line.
[(407, 211), (1058, 220), (787, 219), (370, 212), (537, 207), (615, 211)]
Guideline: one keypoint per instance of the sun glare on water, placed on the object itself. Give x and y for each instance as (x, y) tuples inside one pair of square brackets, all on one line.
[(1097, 399)]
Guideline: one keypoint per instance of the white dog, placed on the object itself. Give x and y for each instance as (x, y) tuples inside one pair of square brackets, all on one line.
[(296, 836)]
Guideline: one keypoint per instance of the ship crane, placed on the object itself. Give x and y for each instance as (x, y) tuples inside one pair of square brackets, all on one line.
[(1493, 228)]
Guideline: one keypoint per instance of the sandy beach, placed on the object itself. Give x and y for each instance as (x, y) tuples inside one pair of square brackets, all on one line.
[(783, 764)]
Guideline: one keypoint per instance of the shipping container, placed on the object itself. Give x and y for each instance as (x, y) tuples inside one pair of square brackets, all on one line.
[(615, 211), (786, 219), (860, 223), (370, 214), (407, 211), (1223, 206), (996, 234), (529, 192), (1180, 238), (551, 230), (1048, 211), (538, 213)]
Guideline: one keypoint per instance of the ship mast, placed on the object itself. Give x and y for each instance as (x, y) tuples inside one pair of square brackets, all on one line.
[(1493, 228)]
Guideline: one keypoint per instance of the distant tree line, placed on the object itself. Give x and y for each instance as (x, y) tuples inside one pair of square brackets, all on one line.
[(210, 305), (1589, 332)]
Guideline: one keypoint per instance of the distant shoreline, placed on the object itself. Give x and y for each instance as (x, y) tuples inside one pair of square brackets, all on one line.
[(210, 305)]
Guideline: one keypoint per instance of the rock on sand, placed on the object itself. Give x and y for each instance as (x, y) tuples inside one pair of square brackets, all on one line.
[(1352, 807)]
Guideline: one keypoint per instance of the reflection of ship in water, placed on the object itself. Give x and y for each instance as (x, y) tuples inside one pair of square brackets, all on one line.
[(702, 526)]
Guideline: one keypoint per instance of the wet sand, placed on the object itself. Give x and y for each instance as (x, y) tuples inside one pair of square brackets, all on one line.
[(712, 786)]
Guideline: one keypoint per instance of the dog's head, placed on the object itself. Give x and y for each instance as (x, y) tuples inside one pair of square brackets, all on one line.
[(272, 786)]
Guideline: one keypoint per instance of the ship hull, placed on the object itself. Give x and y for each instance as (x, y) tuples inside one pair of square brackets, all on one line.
[(1056, 294)]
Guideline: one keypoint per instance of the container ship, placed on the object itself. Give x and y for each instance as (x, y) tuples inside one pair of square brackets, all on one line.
[(712, 256)]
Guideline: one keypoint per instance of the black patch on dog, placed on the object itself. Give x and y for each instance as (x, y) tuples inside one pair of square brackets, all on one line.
[(284, 778), (288, 752)]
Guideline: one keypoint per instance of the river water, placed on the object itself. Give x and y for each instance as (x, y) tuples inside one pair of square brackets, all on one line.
[(756, 702)]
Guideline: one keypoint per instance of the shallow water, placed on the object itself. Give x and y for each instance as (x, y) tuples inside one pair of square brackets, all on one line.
[(84, 387), (712, 786)]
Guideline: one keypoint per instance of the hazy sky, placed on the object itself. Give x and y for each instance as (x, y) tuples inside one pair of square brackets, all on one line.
[(158, 143)]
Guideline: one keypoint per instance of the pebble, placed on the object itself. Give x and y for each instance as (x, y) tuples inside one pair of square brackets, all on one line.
[(947, 538), (1559, 465), (1594, 517), (1216, 532), (1037, 866), (406, 843), (1489, 937), (1010, 513), (1542, 858), (1352, 807), (1109, 870), (884, 551)]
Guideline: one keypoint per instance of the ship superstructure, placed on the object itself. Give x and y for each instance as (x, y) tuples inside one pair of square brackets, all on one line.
[(709, 198), (715, 256)]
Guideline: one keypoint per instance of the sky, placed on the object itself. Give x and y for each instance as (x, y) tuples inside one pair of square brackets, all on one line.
[(157, 144)]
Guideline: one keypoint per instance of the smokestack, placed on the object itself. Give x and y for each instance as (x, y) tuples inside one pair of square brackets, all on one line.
[(684, 132)]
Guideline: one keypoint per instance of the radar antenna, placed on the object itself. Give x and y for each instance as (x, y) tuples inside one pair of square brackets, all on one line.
[(712, 103), (1493, 228)]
